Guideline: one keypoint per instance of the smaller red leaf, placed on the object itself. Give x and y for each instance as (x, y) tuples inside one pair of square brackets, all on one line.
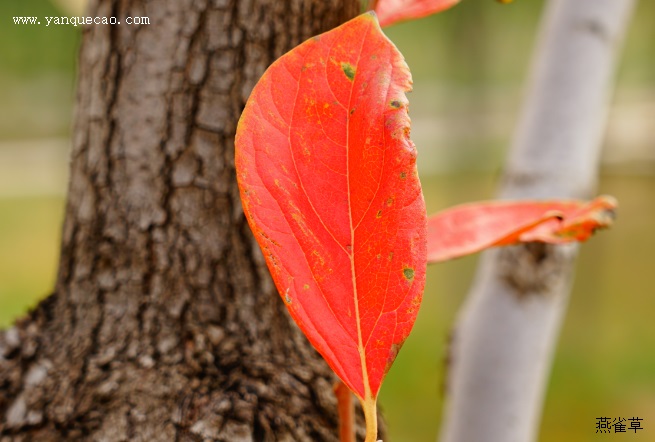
[(392, 11), (470, 228)]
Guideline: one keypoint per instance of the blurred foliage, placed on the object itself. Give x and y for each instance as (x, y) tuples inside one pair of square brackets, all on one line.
[(37, 71), (29, 50), (469, 66), (29, 250)]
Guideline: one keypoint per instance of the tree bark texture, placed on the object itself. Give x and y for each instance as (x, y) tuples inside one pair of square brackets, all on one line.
[(506, 333), (164, 324)]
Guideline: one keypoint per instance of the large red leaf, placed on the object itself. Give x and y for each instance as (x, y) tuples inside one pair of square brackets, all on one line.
[(329, 186), (393, 11), (470, 228)]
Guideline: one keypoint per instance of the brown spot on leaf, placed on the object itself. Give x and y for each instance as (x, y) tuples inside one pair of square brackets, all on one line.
[(395, 104), (408, 273), (379, 214), (393, 352), (269, 239)]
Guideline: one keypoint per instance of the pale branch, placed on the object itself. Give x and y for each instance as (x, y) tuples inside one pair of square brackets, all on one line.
[(506, 332)]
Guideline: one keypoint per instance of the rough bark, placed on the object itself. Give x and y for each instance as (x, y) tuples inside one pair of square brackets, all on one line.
[(506, 333), (164, 324)]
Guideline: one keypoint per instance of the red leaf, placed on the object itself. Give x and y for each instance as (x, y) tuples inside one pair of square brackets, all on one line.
[(328, 181), (393, 11), (470, 228)]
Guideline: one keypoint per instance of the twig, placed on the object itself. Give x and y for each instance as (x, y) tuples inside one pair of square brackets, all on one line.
[(346, 409)]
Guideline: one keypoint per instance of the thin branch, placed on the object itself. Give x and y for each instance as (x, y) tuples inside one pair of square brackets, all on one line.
[(346, 410)]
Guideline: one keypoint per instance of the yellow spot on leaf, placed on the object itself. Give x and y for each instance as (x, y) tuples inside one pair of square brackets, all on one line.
[(318, 256)]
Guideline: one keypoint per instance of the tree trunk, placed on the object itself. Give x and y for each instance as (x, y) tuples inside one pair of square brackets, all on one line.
[(506, 333), (164, 324)]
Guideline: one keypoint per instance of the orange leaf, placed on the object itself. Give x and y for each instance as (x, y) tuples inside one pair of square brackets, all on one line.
[(470, 228), (394, 11)]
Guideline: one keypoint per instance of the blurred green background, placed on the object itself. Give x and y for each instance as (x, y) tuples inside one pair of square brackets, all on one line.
[(469, 66)]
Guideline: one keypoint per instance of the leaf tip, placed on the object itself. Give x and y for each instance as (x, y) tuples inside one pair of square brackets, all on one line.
[(372, 15), (604, 211), (608, 201)]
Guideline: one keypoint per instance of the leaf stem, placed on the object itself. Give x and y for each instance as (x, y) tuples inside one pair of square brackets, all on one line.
[(371, 416), (346, 410)]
